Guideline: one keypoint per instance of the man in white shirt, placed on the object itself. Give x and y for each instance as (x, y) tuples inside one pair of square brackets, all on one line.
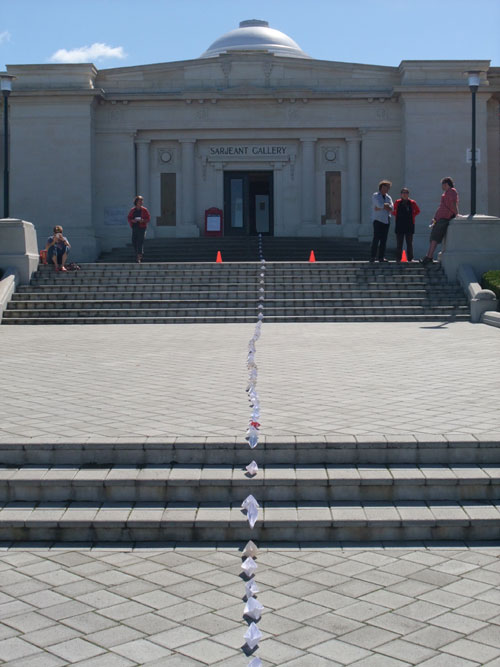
[(382, 208)]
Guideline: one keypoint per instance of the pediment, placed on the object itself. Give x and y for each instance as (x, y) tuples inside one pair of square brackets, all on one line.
[(247, 71)]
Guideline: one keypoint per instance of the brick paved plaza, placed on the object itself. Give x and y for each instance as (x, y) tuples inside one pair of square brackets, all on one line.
[(386, 607), (377, 604), (189, 380)]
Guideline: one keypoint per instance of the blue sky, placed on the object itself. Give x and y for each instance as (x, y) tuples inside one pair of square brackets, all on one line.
[(115, 33)]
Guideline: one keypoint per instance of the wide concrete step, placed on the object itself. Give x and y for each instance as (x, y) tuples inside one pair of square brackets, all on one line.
[(321, 307), (230, 320), (291, 451), (229, 484), (187, 291), (235, 279), (223, 303), (296, 521), (130, 268), (233, 285)]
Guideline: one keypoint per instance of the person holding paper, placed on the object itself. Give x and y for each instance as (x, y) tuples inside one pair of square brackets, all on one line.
[(138, 218)]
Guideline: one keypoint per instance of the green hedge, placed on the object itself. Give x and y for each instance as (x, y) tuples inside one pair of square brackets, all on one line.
[(491, 280)]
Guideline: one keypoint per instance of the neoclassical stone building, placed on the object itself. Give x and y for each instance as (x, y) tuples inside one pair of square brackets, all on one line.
[(284, 144)]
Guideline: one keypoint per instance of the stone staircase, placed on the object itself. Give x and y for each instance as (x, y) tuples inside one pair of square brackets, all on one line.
[(324, 489), (227, 292)]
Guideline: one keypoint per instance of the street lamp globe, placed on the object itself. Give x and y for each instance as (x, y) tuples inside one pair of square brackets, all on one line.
[(6, 81), (474, 80)]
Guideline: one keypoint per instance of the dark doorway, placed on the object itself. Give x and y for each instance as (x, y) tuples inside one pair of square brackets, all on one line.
[(248, 203)]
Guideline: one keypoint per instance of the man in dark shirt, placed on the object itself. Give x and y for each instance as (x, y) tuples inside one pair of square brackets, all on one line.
[(405, 210)]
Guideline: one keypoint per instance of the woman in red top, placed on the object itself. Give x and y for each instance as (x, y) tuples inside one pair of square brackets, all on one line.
[(138, 218), (405, 210), (447, 210)]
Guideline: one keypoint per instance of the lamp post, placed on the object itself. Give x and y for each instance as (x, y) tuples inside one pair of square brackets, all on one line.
[(6, 87), (474, 80)]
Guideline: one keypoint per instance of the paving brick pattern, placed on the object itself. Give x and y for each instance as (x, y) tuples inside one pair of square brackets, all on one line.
[(389, 605), (105, 383)]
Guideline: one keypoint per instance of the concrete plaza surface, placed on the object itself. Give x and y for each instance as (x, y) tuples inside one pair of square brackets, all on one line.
[(324, 606), (377, 605), (155, 381)]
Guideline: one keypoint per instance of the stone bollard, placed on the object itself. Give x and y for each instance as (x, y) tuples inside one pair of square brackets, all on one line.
[(18, 248), (480, 300)]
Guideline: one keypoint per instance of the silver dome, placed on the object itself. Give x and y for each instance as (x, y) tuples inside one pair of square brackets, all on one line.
[(255, 35)]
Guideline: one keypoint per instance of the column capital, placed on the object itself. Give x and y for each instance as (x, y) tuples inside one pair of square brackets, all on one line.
[(141, 141), (310, 139), (187, 141), (353, 140)]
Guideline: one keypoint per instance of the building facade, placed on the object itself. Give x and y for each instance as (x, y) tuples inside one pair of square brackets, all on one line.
[(282, 143)]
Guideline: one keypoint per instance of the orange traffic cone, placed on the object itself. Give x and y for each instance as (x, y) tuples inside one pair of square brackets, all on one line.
[(219, 257), (312, 258), (404, 258)]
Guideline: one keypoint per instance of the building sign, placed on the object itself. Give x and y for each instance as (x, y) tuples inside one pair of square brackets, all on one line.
[(249, 151)]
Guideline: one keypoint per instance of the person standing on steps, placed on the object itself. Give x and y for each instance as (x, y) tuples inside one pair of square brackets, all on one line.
[(138, 218), (57, 248), (382, 207), (447, 210), (405, 211)]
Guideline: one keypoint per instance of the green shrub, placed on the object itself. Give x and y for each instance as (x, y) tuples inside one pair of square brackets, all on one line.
[(491, 280)]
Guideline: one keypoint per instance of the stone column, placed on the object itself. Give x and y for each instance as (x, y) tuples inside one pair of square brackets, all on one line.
[(188, 225), (309, 225), (353, 221), (142, 147)]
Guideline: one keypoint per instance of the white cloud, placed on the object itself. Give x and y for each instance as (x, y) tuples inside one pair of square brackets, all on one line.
[(87, 54), (4, 36)]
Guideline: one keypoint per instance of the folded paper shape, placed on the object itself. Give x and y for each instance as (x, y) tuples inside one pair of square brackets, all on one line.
[(252, 468), (256, 662), (249, 566), (249, 501), (252, 636), (252, 515), (253, 609), (252, 508), (251, 588), (250, 549), (253, 441), (252, 435)]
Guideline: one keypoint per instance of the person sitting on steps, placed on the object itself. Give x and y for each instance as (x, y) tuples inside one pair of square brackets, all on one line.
[(57, 248)]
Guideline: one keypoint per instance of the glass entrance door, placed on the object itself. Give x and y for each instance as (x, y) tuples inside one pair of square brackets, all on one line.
[(248, 203)]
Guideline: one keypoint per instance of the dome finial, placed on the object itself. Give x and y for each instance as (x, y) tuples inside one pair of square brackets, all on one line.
[(254, 22)]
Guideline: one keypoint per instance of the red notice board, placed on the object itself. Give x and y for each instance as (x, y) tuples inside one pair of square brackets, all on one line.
[(214, 222)]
